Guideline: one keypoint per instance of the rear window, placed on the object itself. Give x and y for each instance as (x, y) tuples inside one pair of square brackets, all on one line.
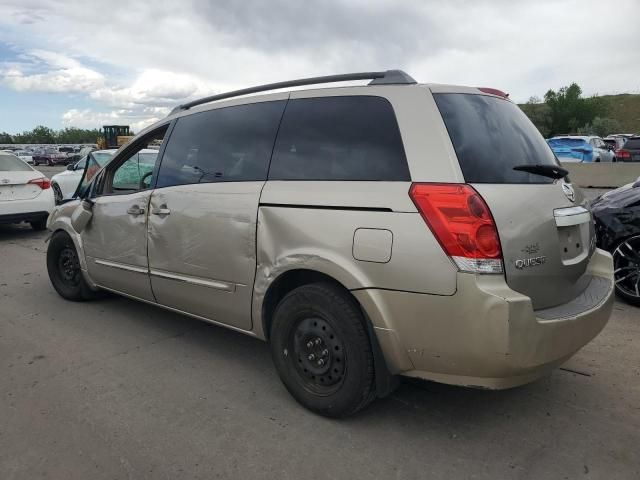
[(491, 136), (339, 138), (566, 142), (9, 163), (632, 143)]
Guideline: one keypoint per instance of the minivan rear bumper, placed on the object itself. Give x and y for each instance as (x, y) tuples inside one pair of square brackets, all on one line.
[(486, 334)]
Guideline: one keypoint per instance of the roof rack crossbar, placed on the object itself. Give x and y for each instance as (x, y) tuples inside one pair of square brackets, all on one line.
[(389, 77)]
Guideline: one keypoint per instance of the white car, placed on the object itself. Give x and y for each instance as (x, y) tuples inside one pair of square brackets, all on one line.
[(64, 184), (25, 193), (24, 155)]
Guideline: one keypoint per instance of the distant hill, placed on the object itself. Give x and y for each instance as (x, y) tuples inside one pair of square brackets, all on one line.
[(626, 109)]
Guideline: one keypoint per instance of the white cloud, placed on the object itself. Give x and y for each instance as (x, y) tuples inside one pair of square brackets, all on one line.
[(61, 74)]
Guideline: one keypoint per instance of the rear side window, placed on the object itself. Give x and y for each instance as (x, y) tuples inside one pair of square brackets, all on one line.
[(230, 144), (633, 143), (491, 136), (339, 138)]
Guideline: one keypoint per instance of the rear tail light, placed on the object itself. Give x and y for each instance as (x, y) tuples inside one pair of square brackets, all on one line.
[(43, 183), (623, 154), (462, 222)]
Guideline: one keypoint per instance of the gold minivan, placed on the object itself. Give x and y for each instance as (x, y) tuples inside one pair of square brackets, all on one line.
[(366, 232)]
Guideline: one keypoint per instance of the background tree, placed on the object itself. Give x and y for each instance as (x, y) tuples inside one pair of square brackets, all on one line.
[(539, 113), (601, 127), (569, 110), (5, 138)]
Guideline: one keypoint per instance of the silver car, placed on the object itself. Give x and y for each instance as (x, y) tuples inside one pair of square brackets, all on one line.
[(366, 232)]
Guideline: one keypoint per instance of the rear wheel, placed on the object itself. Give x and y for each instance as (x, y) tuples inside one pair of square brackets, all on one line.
[(321, 350), (626, 264), (63, 266)]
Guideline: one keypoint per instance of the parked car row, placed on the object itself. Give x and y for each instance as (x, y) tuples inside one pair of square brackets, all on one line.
[(589, 148), (51, 154)]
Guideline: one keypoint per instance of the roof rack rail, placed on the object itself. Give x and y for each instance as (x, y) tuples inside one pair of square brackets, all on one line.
[(390, 77)]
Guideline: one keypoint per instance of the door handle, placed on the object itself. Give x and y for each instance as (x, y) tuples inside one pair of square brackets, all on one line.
[(135, 210), (163, 210)]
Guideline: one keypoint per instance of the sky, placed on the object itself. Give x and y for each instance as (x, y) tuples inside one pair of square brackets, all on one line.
[(85, 63)]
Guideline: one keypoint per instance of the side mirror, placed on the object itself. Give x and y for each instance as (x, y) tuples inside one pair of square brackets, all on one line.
[(81, 215), (71, 166)]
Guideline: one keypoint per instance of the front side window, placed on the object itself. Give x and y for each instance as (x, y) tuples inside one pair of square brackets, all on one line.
[(132, 171), (339, 138), (230, 144)]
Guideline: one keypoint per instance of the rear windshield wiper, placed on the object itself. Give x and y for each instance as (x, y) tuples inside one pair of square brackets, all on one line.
[(551, 171)]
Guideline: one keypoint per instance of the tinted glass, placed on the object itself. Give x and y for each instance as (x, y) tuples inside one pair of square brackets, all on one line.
[(491, 136), (229, 144), (339, 138), (9, 163), (633, 143)]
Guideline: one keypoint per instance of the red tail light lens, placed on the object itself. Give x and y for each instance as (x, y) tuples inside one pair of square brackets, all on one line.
[(43, 183), (462, 222), (620, 154)]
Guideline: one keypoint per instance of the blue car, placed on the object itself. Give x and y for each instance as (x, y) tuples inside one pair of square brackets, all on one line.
[(580, 149)]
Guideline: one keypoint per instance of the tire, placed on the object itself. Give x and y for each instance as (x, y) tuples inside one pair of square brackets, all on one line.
[(597, 160), (39, 225), (57, 193), (321, 350), (35, 164), (626, 265), (50, 163), (64, 271)]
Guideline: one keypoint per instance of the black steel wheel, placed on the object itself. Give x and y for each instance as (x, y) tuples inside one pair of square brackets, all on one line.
[(319, 355), (626, 265), (63, 267), (322, 351)]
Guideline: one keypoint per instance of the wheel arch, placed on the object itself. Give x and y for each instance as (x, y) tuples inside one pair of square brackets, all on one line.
[(297, 277)]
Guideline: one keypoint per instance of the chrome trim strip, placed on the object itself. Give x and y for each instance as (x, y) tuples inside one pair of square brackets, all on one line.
[(566, 217), (217, 284), (121, 266)]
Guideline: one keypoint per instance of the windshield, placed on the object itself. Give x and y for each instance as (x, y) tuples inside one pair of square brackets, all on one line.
[(491, 136), (9, 163)]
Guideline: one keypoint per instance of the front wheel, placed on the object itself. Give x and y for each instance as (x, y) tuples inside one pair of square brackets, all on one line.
[(322, 351), (63, 267), (626, 265)]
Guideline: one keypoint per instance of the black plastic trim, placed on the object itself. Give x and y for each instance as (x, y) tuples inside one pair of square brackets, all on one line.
[(326, 207)]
